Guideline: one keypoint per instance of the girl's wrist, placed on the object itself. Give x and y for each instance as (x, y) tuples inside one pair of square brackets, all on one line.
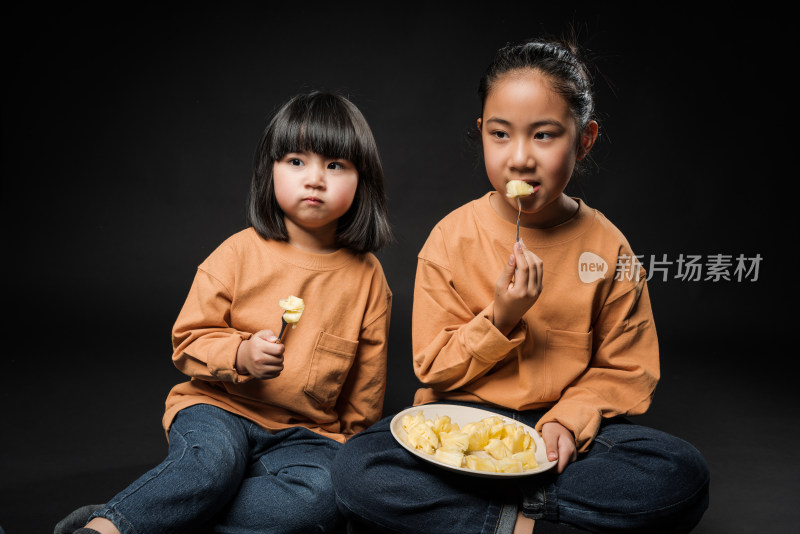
[(236, 365), (502, 325)]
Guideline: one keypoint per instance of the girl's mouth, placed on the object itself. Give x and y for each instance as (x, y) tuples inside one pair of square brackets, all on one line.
[(536, 186), (313, 201)]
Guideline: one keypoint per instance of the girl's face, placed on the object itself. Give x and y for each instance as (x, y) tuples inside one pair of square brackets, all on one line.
[(529, 133), (313, 191)]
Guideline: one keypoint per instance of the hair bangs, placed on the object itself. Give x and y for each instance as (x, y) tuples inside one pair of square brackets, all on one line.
[(324, 126)]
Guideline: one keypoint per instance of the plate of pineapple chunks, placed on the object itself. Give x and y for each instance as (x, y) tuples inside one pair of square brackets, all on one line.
[(471, 441)]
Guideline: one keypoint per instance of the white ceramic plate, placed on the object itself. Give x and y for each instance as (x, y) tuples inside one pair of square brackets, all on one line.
[(463, 415)]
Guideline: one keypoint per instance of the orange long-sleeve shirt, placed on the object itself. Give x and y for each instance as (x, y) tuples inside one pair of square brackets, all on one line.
[(587, 348), (334, 376)]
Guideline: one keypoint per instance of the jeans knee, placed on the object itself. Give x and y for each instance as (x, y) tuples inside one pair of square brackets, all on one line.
[(209, 462), (694, 461), (684, 486), (696, 475), (658, 452), (350, 473), (312, 497), (687, 465), (314, 484), (294, 499)]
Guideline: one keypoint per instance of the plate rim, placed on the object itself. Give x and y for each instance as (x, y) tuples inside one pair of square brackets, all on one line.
[(395, 424)]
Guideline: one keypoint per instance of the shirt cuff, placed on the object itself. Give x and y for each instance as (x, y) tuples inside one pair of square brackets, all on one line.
[(485, 342), (222, 364)]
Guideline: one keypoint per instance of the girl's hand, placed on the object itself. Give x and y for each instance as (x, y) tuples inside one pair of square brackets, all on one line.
[(560, 444), (260, 356), (513, 298)]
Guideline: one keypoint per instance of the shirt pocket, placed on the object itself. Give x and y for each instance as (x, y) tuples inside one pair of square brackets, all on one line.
[(567, 355), (333, 356)]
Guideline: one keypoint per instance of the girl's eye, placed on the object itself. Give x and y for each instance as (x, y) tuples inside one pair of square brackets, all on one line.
[(336, 165), (499, 134), (543, 135), (295, 161)]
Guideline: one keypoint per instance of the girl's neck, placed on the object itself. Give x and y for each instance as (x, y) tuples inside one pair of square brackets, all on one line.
[(320, 240), (551, 215)]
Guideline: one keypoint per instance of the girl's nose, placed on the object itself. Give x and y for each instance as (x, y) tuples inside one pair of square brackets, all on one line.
[(521, 156), (316, 176)]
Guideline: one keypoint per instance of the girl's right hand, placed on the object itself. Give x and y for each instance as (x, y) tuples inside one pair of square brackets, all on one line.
[(260, 356), (514, 295), (560, 444)]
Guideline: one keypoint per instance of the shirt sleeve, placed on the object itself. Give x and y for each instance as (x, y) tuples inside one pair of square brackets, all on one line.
[(623, 372), (204, 343), (452, 345), (360, 403)]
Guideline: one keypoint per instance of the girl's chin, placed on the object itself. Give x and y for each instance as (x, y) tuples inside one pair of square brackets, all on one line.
[(529, 204)]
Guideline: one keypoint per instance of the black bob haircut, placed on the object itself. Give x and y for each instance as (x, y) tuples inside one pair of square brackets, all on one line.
[(332, 126)]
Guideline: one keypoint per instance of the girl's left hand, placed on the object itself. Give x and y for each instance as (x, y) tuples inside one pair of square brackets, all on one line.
[(560, 444)]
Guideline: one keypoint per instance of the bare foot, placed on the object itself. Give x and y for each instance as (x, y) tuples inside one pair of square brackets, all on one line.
[(524, 525), (102, 525)]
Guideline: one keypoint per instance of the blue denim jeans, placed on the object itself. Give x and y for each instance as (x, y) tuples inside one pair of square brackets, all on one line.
[(632, 479), (224, 473)]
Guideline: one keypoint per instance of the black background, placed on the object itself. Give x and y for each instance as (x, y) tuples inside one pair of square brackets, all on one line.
[(126, 153)]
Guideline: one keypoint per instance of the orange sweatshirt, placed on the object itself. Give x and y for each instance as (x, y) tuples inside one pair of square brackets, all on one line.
[(334, 374), (587, 348)]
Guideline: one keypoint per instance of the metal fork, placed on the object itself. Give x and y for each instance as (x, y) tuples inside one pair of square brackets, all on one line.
[(283, 329)]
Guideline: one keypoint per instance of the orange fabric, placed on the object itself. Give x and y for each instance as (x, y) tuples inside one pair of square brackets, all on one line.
[(334, 375), (586, 349)]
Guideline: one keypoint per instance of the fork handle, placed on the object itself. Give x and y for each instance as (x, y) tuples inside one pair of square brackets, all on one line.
[(283, 329)]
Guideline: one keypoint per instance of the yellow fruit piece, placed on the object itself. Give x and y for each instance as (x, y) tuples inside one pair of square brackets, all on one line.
[(455, 440), (422, 436), (294, 307), (410, 420), (518, 188), (496, 427), (480, 463), (450, 457), (528, 443), (514, 439), (510, 465), (478, 435), (497, 449), (528, 459), (442, 424)]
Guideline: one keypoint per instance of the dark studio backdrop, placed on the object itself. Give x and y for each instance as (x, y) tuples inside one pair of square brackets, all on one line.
[(127, 142)]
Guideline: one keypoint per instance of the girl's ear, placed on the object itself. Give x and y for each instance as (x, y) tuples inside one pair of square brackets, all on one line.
[(588, 137), (479, 124)]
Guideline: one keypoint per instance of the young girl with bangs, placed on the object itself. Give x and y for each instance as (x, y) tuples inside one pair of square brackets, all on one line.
[(520, 310), (253, 432)]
